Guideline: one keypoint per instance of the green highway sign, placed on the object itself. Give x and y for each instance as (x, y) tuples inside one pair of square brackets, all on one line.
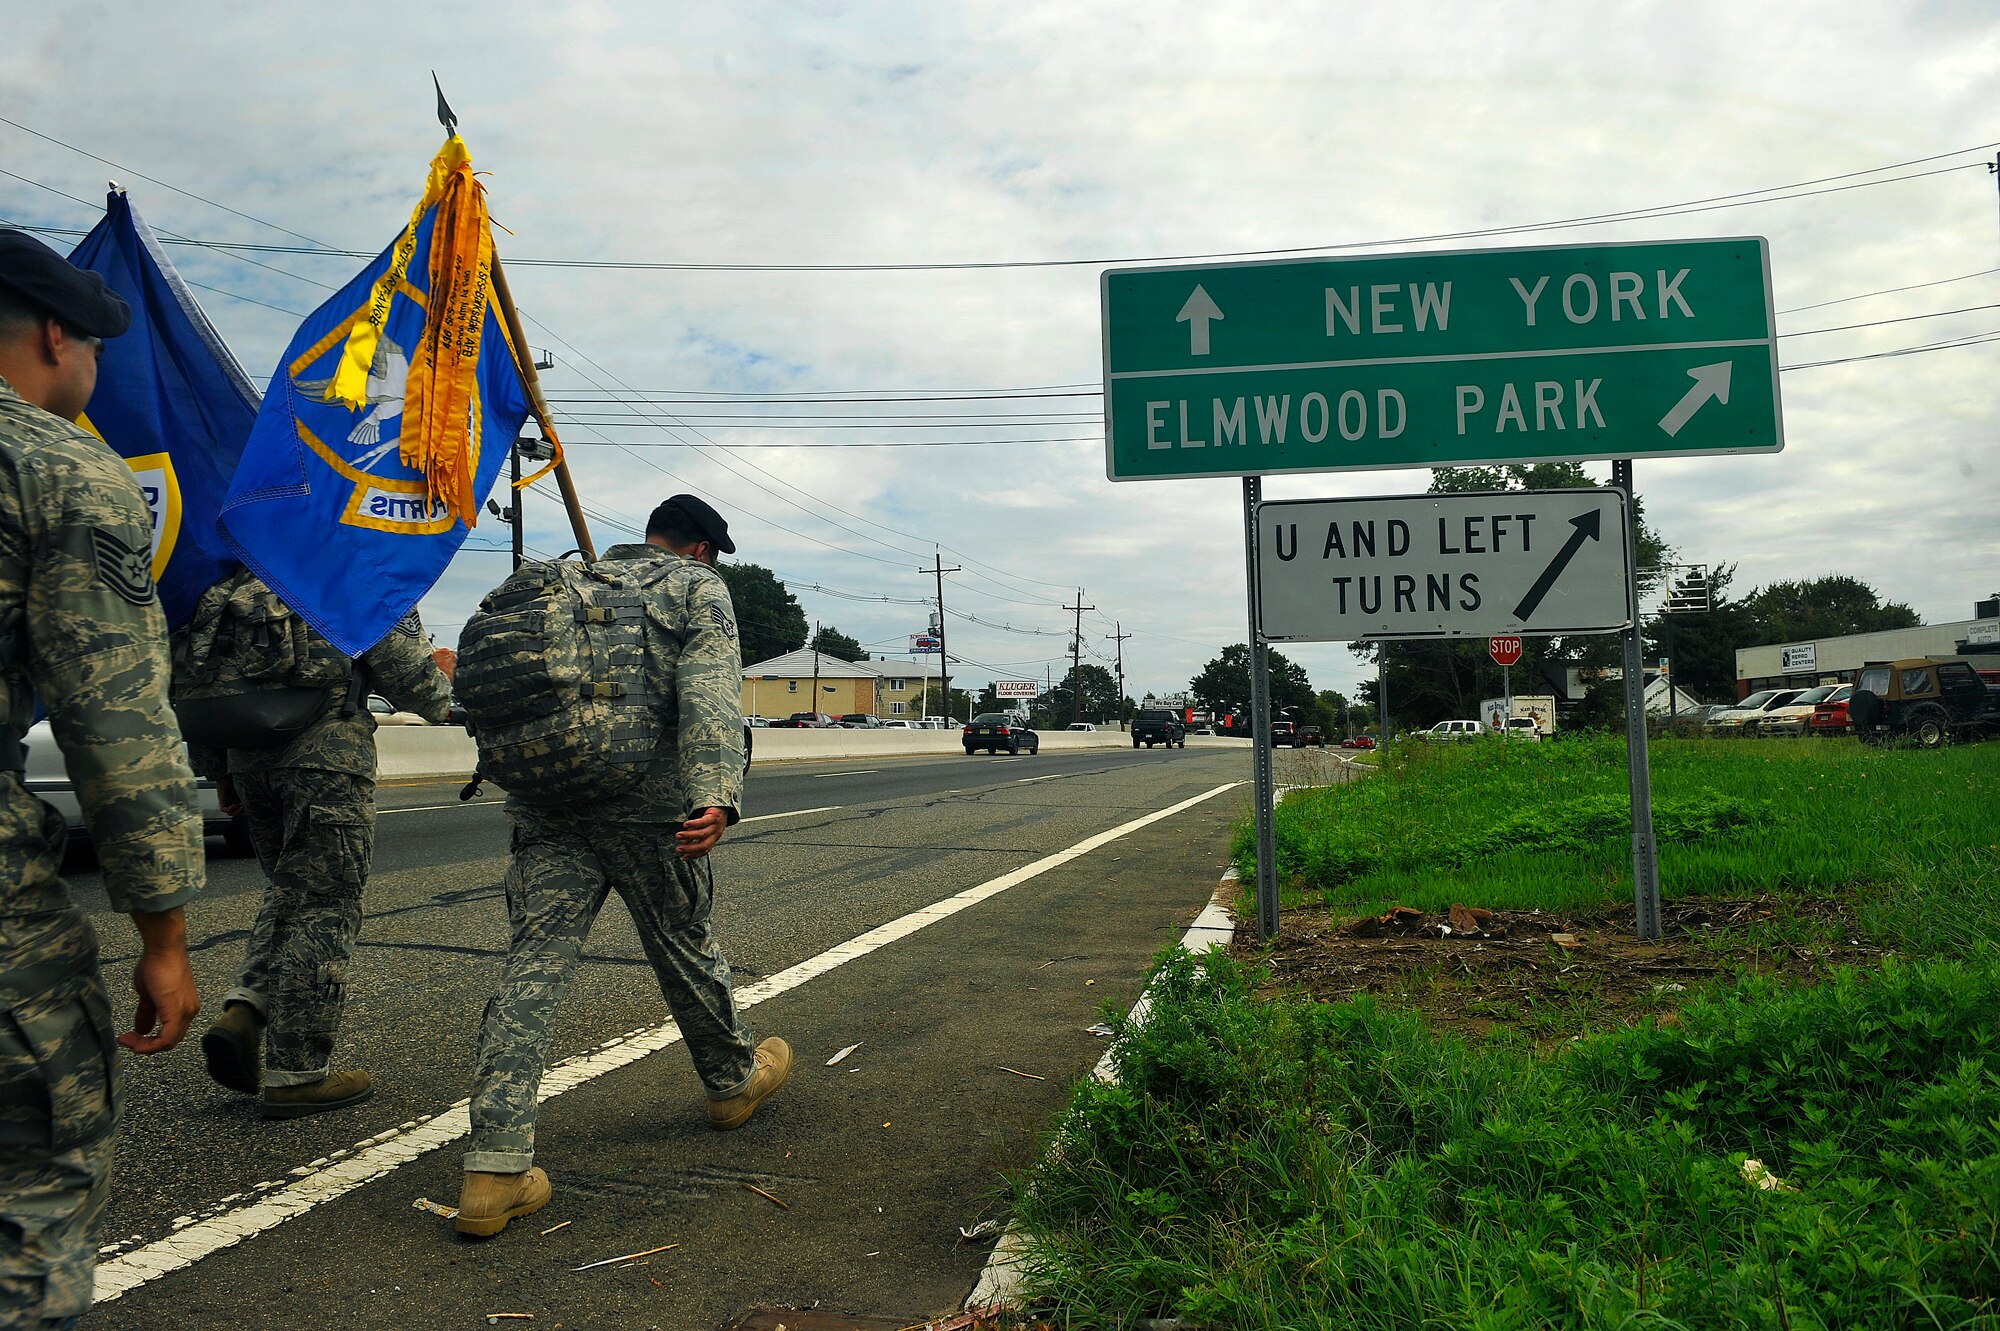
[(1448, 358)]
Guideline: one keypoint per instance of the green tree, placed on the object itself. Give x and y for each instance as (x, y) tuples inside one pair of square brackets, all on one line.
[(1057, 708), (1333, 713), (769, 620), (1702, 644), (1826, 607), (1224, 685), (832, 642)]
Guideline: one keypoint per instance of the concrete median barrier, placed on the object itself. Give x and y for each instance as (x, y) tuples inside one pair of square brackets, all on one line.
[(414, 752)]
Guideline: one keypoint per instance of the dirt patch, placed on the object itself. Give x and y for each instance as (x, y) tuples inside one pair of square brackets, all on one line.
[(1546, 976)]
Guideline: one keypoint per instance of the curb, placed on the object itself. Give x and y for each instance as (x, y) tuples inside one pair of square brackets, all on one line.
[(999, 1283)]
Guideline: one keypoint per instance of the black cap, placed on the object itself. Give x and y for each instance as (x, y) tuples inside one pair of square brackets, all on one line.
[(74, 297), (704, 519)]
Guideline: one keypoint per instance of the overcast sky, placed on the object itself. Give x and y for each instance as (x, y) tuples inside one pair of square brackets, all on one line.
[(939, 134)]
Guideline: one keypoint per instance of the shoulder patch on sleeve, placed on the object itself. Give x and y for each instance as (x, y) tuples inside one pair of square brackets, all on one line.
[(720, 620), (410, 626), (124, 569)]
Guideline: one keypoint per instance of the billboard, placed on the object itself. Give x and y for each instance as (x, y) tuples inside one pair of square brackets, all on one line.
[(1016, 688)]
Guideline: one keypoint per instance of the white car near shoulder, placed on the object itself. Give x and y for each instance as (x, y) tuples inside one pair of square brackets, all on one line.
[(1080, 725), (47, 779)]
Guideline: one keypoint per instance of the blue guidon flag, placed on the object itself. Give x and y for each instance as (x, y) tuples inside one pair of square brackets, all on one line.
[(327, 506), (172, 401)]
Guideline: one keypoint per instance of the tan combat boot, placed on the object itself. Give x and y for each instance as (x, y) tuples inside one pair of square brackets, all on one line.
[(488, 1201), (234, 1048), (337, 1091), (773, 1066)]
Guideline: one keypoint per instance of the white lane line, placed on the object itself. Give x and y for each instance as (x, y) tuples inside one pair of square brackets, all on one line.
[(1029, 780), (477, 804), (428, 808), (794, 813), (859, 771), (388, 1150)]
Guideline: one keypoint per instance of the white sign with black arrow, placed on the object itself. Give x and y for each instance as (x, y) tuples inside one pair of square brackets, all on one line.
[(1537, 562)]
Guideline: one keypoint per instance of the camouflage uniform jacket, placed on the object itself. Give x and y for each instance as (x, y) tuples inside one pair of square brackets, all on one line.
[(693, 664), (401, 668), (81, 629)]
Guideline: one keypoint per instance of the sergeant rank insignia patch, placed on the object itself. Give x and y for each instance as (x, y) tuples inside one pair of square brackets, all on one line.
[(126, 570)]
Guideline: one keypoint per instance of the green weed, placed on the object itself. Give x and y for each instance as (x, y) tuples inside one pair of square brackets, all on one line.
[(1547, 826), (1302, 1165)]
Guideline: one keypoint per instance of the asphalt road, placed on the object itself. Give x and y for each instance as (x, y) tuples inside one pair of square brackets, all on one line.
[(880, 1159)]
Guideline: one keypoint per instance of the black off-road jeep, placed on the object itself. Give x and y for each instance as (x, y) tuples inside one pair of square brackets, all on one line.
[(1925, 701)]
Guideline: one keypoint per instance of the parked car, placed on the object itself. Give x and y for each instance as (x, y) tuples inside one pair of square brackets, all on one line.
[(1080, 725), (1795, 717), (756, 722), (1729, 723), (899, 725), (1358, 742), (1312, 735), (1158, 725), (807, 721), (1521, 727), (860, 721), (388, 714), (1926, 701), (1830, 717), (994, 731), (48, 779), (1454, 731)]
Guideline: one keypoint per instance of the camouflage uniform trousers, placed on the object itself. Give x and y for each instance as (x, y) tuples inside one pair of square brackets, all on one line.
[(562, 871), (314, 831), (58, 1107)]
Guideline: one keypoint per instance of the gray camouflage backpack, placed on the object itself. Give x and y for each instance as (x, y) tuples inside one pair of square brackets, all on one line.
[(552, 671), (251, 674)]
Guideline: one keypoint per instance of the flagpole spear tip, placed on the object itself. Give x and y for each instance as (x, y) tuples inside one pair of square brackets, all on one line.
[(445, 116)]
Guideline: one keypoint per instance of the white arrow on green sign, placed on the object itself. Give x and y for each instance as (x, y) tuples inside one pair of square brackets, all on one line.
[(1454, 358)]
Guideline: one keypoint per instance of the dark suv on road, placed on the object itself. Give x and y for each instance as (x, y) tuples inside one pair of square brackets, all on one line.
[(1157, 725)]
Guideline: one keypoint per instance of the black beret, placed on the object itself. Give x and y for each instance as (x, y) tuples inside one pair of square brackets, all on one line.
[(705, 519), (74, 297)]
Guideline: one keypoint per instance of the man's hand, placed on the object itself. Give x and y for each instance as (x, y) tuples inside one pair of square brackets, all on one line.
[(164, 982), (700, 834), (226, 797)]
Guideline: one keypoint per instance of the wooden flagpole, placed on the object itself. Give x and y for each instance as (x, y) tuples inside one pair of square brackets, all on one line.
[(526, 364)]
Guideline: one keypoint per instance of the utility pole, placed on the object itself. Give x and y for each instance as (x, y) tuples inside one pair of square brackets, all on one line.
[(938, 569), (815, 649), (1076, 659), (1119, 635)]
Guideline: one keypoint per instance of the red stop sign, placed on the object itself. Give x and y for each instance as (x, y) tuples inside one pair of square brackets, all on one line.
[(1505, 651)]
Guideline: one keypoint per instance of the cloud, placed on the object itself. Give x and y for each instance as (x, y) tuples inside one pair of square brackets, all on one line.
[(836, 133)]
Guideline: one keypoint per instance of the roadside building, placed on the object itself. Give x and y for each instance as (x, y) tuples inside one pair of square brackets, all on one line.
[(809, 681), (1798, 665)]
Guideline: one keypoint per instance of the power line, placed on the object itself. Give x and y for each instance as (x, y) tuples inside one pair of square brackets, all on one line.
[(1747, 198)]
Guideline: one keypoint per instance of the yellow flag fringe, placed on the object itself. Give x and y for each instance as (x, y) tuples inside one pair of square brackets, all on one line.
[(441, 398)]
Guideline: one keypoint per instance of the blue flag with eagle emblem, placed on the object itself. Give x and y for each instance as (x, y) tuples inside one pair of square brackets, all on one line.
[(326, 506), (171, 400)]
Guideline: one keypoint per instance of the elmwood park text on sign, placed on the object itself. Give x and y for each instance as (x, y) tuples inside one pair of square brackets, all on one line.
[(1440, 359)]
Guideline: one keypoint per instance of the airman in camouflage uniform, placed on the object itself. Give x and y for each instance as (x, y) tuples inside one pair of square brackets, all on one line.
[(649, 846), (81, 630), (311, 811)]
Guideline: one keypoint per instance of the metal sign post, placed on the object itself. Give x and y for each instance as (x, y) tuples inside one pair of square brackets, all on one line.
[(1645, 850), (1265, 793)]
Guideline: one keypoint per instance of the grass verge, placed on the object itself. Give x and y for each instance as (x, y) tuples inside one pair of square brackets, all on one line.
[(1302, 1165), (1547, 826)]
